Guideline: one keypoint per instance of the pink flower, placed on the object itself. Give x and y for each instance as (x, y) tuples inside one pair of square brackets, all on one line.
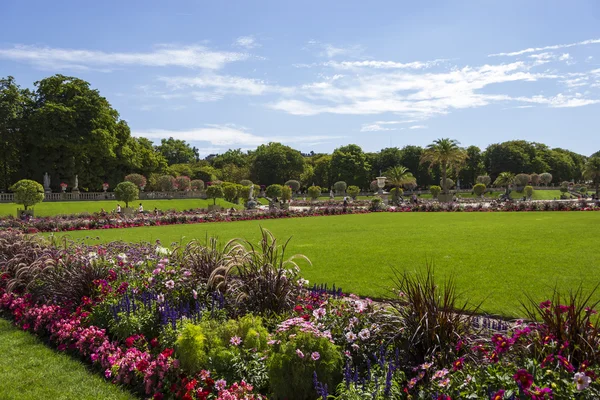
[(300, 353), (235, 340), (170, 284), (523, 378), (582, 380), (315, 356)]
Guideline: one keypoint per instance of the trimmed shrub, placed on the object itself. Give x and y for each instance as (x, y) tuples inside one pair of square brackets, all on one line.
[(449, 183), (479, 189), (273, 191), (583, 190), (230, 191), (137, 179), (373, 186), (340, 187), (295, 185), (396, 193), (197, 185), (183, 183), (314, 192), (214, 192), (484, 179), (127, 192), (528, 191), (521, 180), (286, 193), (28, 192), (435, 191), (353, 191), (546, 178), (535, 179), (244, 192), (166, 183), (246, 182)]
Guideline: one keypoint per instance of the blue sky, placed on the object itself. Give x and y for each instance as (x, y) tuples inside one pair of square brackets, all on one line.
[(319, 74)]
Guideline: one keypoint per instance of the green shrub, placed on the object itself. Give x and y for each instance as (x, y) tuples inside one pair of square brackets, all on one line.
[(546, 178), (528, 191), (396, 193), (340, 187), (485, 179), (273, 191), (246, 182), (292, 367), (583, 190), (376, 204), (479, 189), (435, 191), (165, 183), (191, 348), (244, 192), (28, 192), (230, 191), (535, 179), (294, 184), (197, 185), (353, 191), (521, 180), (183, 183), (214, 192), (314, 192), (127, 192), (286, 193), (137, 179)]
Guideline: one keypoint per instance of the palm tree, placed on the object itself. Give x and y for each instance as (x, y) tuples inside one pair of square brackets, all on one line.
[(505, 179), (400, 176), (591, 171), (447, 154)]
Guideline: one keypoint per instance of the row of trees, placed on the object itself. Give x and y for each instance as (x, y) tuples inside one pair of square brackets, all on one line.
[(66, 128)]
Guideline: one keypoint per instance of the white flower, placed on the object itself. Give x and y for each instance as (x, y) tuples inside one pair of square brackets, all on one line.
[(160, 298), (162, 251), (195, 294), (170, 284), (364, 334), (122, 257), (350, 337), (582, 380), (319, 313)]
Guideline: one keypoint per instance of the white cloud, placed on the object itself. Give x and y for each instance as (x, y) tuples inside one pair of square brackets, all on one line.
[(161, 56), (418, 127), (330, 51), (553, 47), (229, 136), (382, 64), (374, 128), (248, 42)]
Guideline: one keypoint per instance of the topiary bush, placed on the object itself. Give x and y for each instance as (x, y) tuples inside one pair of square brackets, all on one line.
[(273, 191), (214, 192), (246, 182), (294, 184), (528, 190), (546, 178), (396, 193), (165, 183), (127, 192), (197, 185), (314, 192), (183, 183), (479, 189), (137, 179), (27, 192), (564, 186), (484, 179), (435, 191), (294, 362), (353, 191), (534, 179), (521, 180), (286, 193), (230, 191), (340, 187)]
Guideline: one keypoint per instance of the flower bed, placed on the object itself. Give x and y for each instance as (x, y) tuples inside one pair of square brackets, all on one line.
[(76, 222), (238, 321)]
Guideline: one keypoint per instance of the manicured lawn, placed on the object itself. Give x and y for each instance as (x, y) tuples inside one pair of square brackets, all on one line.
[(31, 370), (74, 207), (495, 257), (537, 195)]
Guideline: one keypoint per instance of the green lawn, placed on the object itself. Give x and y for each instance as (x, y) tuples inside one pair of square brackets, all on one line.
[(537, 195), (74, 207), (494, 256), (31, 370)]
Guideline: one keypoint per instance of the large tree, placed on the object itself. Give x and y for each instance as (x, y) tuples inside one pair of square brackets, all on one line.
[(591, 171), (447, 154), (349, 164), (275, 163), (473, 167), (399, 176), (177, 151)]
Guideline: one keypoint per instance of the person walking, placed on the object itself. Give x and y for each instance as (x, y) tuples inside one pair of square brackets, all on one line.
[(141, 209)]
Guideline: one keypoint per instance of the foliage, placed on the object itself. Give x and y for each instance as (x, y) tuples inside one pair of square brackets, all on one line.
[(546, 178), (314, 192), (177, 151), (353, 191), (137, 179), (166, 183), (445, 153), (449, 183), (286, 193), (13, 104), (214, 192), (340, 187), (399, 176), (564, 186), (521, 180), (591, 172), (484, 179), (435, 191), (505, 179), (535, 179), (197, 185), (244, 192), (479, 189), (190, 347), (274, 191), (376, 204), (127, 192), (28, 192), (349, 164), (294, 362), (231, 191), (182, 182), (246, 182), (294, 184), (396, 193), (528, 191), (275, 162)]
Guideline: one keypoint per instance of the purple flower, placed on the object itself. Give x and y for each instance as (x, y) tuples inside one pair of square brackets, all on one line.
[(300, 353), (220, 384), (315, 356), (582, 380), (364, 334)]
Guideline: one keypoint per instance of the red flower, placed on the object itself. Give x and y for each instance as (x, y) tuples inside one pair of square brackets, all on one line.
[(158, 396), (191, 384), (167, 353), (458, 364), (499, 395), (523, 378), (154, 342), (142, 365)]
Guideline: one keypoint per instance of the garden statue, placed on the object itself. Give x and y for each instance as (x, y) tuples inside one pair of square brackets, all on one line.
[(76, 187), (331, 195), (251, 193), (47, 183)]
